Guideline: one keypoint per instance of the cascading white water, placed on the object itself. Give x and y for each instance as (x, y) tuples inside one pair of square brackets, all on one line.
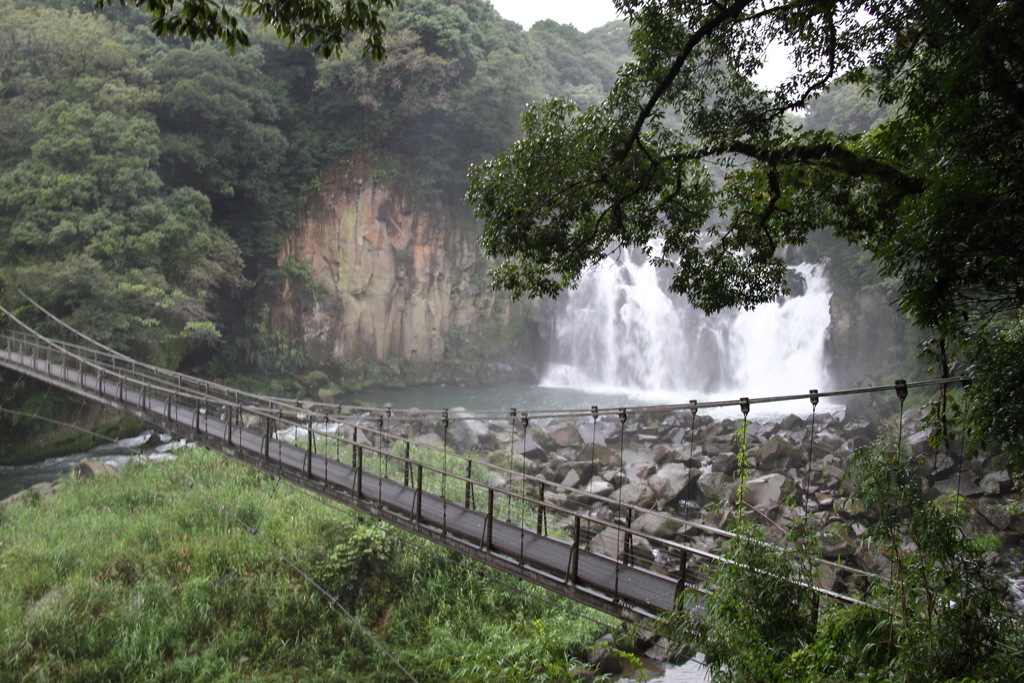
[(620, 331)]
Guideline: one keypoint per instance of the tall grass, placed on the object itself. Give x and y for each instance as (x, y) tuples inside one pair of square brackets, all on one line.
[(139, 577)]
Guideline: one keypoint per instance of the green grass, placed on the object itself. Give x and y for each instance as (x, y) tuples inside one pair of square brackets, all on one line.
[(138, 577)]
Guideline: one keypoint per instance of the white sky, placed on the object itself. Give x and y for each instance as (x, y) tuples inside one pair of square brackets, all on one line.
[(583, 14), (588, 14)]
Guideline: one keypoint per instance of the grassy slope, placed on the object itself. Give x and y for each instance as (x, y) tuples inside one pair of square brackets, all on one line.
[(138, 577)]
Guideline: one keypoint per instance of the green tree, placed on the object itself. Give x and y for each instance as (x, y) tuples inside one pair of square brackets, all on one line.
[(322, 25), (89, 187), (933, 192)]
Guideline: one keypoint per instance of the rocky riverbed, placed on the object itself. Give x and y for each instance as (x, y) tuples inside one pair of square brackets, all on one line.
[(688, 465)]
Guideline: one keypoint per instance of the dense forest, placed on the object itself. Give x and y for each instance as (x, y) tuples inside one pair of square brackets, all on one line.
[(147, 183)]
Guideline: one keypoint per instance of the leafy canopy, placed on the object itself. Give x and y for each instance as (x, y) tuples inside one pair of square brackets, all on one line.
[(689, 160), (319, 24)]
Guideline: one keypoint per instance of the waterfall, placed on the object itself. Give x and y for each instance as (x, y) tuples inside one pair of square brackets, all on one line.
[(621, 331)]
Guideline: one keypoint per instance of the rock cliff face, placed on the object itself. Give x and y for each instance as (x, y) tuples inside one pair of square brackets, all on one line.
[(392, 276)]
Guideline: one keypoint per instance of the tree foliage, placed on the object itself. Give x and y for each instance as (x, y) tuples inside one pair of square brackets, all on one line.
[(936, 614), (322, 25), (690, 161)]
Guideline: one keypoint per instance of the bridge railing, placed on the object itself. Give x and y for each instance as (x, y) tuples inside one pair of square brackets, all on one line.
[(417, 466)]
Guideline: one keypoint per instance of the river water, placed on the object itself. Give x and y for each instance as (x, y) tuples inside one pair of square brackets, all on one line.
[(19, 477)]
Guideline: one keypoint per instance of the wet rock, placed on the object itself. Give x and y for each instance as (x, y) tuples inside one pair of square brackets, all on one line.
[(603, 658), (918, 442), (964, 485), (561, 436), (663, 455), (860, 429), (871, 559), (715, 486), (598, 453), (936, 467), (997, 515), (530, 449), (849, 508), (638, 494), (790, 424), (673, 481), (644, 470), (777, 454), (768, 490), (93, 468), (996, 483), (662, 526), (615, 478), (571, 480), (826, 576), (725, 463), (470, 434), (837, 542), (597, 487), (430, 440)]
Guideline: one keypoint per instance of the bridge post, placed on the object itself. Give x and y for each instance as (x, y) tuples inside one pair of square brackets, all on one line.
[(470, 499), (307, 463), (541, 511), (681, 583), (266, 439), (417, 499), (573, 570), (485, 537), (408, 463), (231, 419), (359, 474)]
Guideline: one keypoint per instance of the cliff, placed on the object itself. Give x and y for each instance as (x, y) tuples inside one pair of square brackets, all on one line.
[(390, 276)]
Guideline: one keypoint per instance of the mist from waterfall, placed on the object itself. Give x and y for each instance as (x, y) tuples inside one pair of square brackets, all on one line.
[(621, 331)]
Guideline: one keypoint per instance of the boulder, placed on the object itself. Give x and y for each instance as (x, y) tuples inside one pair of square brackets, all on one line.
[(791, 423), (836, 542), (997, 515), (673, 481), (936, 467), (559, 436), (93, 468), (715, 486), (860, 429), (653, 524), (603, 658), (918, 442), (530, 449), (768, 490), (850, 508), (469, 433), (598, 453), (964, 485), (996, 483), (597, 487), (638, 494), (571, 480), (777, 454), (725, 463)]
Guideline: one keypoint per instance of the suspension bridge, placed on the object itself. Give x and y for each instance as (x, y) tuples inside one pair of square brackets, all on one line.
[(451, 499)]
